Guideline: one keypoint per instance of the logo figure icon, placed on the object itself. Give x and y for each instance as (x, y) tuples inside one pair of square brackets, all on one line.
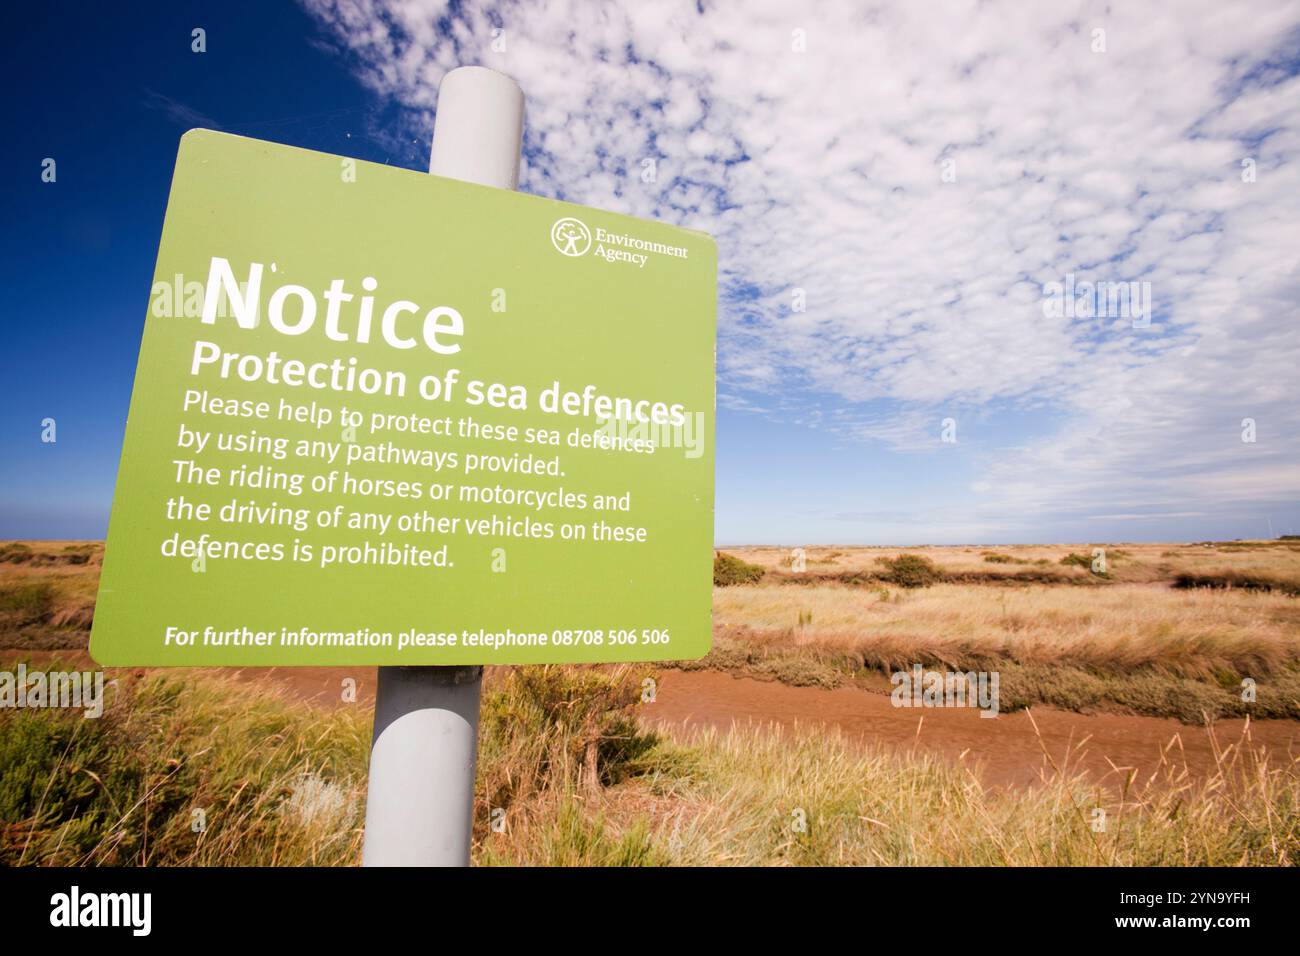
[(571, 236)]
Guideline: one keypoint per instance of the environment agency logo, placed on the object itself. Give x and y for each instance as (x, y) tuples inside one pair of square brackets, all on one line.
[(571, 236)]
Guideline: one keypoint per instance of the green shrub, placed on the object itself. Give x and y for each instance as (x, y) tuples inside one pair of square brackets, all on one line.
[(729, 569), (911, 571)]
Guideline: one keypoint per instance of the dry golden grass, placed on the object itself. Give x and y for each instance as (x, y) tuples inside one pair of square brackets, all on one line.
[(1196, 633), (47, 592), (1128, 641), (182, 769), (1167, 630), (765, 797), (282, 783)]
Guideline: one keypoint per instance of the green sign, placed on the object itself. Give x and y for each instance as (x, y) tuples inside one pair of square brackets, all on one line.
[(381, 417)]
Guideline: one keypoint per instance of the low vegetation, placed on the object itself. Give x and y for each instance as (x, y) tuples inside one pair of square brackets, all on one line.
[(1158, 652), (910, 571), (1236, 579), (47, 593), (182, 770), (559, 729), (1170, 630), (191, 769), (47, 555), (1278, 560), (729, 570)]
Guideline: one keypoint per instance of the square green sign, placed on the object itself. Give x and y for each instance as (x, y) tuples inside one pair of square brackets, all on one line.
[(381, 417)]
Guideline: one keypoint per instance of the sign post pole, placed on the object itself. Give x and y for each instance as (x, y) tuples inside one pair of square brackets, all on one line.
[(420, 800)]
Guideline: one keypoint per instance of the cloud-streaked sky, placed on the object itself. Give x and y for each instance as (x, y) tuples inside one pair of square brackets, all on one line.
[(918, 172), (811, 140)]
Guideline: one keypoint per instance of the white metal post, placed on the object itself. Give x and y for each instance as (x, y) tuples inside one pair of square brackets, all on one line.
[(420, 802)]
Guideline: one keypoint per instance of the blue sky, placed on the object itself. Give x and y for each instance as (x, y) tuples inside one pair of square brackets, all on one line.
[(891, 187)]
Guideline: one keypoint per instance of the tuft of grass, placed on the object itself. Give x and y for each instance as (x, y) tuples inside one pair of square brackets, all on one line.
[(25, 604), (36, 612), (562, 831), (182, 770), (47, 593), (552, 728)]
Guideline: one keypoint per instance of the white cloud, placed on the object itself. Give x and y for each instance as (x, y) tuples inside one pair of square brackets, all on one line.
[(823, 170)]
